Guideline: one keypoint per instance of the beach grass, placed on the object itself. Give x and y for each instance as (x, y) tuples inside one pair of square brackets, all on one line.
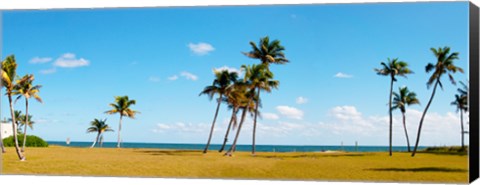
[(377, 166)]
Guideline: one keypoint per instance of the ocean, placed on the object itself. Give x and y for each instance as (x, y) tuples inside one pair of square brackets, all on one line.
[(259, 148)]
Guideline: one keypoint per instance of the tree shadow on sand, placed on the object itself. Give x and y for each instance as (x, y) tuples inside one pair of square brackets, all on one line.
[(424, 169), (171, 152), (309, 156)]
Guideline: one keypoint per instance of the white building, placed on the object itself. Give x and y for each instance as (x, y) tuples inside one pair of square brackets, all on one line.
[(6, 129)]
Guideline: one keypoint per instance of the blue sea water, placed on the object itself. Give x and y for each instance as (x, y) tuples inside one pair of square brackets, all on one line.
[(259, 148)]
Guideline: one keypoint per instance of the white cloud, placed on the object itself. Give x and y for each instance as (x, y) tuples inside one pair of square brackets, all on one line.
[(38, 60), (172, 78), (69, 60), (229, 69), (270, 116), (189, 76), (48, 71), (154, 79), (346, 113), (290, 112), (201, 48), (342, 75), (301, 100), (183, 128), (281, 129)]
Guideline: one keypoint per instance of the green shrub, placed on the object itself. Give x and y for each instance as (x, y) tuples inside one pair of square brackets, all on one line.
[(32, 141)]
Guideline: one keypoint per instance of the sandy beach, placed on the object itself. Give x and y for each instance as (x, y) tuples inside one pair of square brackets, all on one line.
[(318, 166)]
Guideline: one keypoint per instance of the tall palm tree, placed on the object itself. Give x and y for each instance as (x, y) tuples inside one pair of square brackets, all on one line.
[(461, 103), (267, 52), (122, 106), (444, 65), (400, 101), (9, 72), (392, 69), (259, 79), (223, 79), (98, 126), (25, 88)]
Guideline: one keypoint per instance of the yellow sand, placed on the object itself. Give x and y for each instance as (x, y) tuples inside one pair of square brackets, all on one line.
[(56, 160)]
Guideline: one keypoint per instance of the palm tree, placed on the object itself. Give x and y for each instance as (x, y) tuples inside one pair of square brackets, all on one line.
[(392, 68), (223, 79), (267, 52), (236, 99), (400, 101), (249, 106), (443, 66), (259, 79), (18, 118), (22, 121), (231, 100), (9, 72), (461, 103), (25, 88), (122, 106), (98, 126)]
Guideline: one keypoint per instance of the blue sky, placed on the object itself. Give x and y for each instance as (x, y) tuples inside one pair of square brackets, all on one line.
[(163, 57)]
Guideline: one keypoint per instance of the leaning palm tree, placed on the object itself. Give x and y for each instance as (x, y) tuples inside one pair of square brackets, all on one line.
[(98, 126), (246, 106), (223, 79), (400, 101), (444, 65), (267, 52), (260, 79), (237, 99), (234, 98), (122, 106), (461, 103), (25, 88), (392, 69), (9, 72)]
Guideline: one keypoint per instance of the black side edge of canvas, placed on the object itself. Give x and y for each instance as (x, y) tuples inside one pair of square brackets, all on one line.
[(474, 88)]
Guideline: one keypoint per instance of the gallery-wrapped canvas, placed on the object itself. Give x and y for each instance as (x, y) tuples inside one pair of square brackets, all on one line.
[(360, 92)]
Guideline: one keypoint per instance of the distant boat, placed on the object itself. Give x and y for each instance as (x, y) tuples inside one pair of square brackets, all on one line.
[(68, 141)]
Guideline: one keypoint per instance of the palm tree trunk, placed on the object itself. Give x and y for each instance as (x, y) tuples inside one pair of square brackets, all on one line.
[(390, 112), (101, 141), (15, 136), (423, 117), (1, 140), (228, 129), (95, 141), (119, 130), (461, 123), (25, 127), (234, 144), (219, 100), (255, 122), (406, 133)]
